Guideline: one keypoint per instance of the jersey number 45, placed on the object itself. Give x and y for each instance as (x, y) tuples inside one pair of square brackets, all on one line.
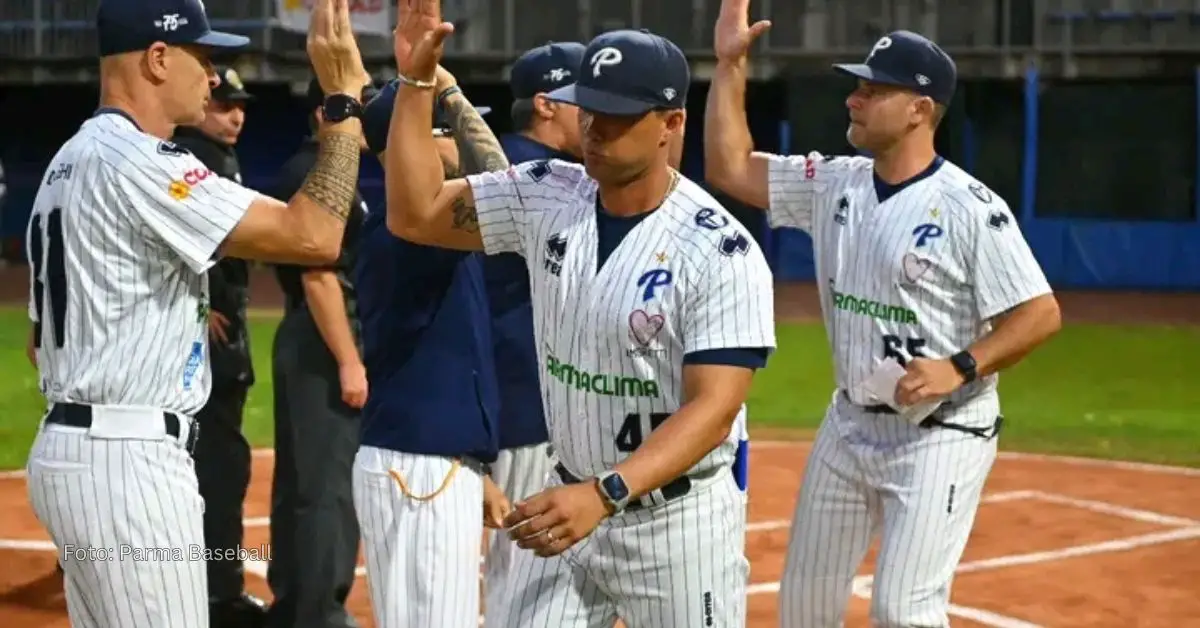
[(630, 436)]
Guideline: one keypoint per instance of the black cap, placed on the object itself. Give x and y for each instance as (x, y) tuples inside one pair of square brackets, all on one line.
[(626, 73), (231, 88), (908, 60), (545, 69), (377, 116), (129, 25)]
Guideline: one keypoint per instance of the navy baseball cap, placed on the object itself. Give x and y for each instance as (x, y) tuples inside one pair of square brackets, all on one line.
[(629, 73), (545, 69), (906, 59), (129, 25), (377, 117)]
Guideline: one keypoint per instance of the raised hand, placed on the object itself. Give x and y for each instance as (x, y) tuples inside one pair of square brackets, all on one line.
[(733, 34), (332, 49), (419, 35)]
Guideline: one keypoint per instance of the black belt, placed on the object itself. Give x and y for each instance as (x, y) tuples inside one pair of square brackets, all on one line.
[(674, 489), (79, 415), (935, 420)]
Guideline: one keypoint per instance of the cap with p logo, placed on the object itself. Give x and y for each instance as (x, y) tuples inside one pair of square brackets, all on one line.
[(627, 73), (906, 59), (129, 25)]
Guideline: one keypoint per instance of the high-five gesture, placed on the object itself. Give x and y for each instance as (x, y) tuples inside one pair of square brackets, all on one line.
[(733, 34), (419, 35), (332, 48)]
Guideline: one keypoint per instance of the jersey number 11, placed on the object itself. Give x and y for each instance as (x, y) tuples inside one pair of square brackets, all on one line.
[(46, 253)]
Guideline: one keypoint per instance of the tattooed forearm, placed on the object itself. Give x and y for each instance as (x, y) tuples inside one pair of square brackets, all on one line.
[(332, 181), (465, 218), (478, 148)]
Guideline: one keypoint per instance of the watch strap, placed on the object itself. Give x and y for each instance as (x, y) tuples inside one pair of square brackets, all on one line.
[(341, 107), (601, 485), (965, 364)]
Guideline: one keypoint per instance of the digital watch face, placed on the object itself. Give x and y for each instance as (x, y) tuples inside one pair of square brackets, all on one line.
[(615, 487)]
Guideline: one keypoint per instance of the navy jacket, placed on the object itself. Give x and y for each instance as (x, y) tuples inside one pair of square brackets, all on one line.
[(522, 421), (427, 346)]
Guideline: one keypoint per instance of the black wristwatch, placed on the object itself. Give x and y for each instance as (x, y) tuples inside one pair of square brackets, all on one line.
[(964, 363), (341, 107)]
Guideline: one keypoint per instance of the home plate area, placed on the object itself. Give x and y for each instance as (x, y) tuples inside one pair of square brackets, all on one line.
[(1058, 542)]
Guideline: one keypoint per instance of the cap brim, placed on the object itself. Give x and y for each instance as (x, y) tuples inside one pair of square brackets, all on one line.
[(217, 39), (866, 73), (596, 101)]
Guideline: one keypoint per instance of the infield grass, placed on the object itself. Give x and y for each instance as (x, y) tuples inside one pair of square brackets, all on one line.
[(1122, 392)]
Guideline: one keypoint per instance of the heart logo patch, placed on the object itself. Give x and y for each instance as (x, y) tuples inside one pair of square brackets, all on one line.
[(644, 327), (915, 267)]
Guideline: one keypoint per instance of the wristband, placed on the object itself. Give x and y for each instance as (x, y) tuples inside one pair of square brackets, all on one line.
[(448, 92), (415, 82)]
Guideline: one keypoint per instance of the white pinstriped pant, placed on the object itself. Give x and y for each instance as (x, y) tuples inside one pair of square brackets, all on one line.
[(422, 556), (678, 565), (519, 472), (867, 474), (127, 518)]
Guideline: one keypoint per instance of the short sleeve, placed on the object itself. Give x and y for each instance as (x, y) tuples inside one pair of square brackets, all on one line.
[(505, 202), (796, 183), (1003, 269), (184, 203), (734, 301)]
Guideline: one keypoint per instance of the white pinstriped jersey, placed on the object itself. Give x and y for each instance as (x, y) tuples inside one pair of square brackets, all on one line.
[(123, 229), (920, 274), (611, 340)]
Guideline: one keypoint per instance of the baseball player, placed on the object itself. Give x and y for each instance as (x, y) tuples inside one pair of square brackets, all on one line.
[(927, 290), (544, 130), (429, 425), (652, 311), (123, 229)]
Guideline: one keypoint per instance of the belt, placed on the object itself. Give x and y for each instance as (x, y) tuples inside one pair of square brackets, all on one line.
[(674, 489), (80, 415), (935, 420)]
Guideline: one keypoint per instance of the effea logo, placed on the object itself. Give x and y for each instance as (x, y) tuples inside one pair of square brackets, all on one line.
[(605, 57)]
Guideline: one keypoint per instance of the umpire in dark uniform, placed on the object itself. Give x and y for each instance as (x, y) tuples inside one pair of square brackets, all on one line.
[(320, 386), (222, 455)]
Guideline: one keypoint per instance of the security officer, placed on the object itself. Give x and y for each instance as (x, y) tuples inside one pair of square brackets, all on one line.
[(543, 130), (320, 386), (222, 455)]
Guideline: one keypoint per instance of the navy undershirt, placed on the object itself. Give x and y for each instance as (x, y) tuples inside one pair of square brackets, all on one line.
[(885, 190), (610, 231)]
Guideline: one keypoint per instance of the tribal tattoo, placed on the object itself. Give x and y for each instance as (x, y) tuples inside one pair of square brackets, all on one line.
[(465, 217), (478, 148), (333, 179), (478, 151)]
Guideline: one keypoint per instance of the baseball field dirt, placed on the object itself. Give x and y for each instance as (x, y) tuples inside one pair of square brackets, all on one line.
[(1058, 542)]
